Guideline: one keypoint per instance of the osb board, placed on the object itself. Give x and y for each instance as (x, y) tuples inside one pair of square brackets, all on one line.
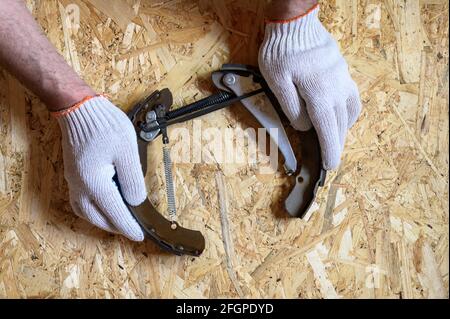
[(379, 228)]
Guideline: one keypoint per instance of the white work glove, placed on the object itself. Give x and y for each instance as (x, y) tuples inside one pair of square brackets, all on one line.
[(303, 67), (99, 140)]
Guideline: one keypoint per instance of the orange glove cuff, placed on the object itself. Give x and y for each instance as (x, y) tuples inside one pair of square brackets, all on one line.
[(294, 18), (74, 107)]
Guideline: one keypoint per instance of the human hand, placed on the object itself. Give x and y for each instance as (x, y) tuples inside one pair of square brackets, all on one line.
[(304, 68), (99, 140)]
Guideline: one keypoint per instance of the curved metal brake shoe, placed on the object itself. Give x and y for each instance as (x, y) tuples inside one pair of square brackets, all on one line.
[(179, 241), (310, 178), (267, 111)]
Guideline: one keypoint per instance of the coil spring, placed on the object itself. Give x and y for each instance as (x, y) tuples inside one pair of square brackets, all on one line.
[(218, 98), (171, 205)]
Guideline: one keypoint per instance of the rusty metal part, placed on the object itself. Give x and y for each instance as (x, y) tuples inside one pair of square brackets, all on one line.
[(177, 240)]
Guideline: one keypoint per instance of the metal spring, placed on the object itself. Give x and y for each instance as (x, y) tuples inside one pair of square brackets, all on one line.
[(218, 98), (170, 190)]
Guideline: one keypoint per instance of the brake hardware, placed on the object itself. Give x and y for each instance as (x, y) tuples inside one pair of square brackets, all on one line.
[(235, 83)]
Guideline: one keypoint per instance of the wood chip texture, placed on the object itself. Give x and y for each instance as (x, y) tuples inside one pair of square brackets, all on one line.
[(379, 229)]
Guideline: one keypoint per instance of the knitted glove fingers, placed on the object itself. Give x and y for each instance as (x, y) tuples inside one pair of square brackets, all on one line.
[(303, 122), (110, 203), (90, 213), (324, 119), (93, 215), (129, 172), (353, 106), (340, 111), (290, 101)]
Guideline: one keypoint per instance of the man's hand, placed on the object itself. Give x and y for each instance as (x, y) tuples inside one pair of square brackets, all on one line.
[(98, 140), (304, 68)]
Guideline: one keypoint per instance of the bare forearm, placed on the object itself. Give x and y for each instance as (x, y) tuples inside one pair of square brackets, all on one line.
[(287, 9), (29, 56)]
